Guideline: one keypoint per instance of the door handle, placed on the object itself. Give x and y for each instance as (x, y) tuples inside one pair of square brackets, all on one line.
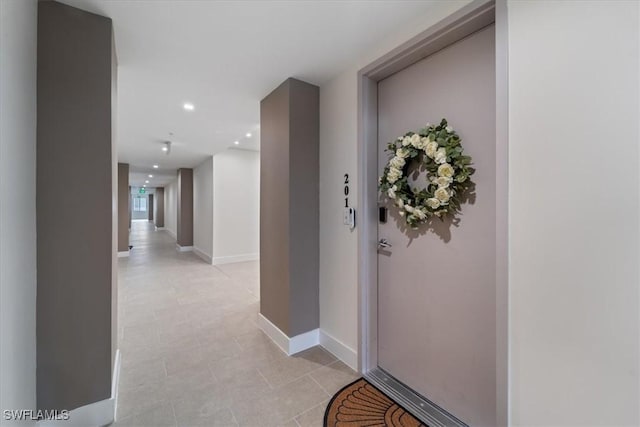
[(383, 243)]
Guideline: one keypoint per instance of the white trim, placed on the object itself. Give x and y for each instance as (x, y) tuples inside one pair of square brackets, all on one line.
[(171, 233), (235, 258), (304, 341), (123, 254), (340, 350), (273, 332), (205, 256), (184, 248), (159, 228), (95, 414), (292, 345), (115, 384)]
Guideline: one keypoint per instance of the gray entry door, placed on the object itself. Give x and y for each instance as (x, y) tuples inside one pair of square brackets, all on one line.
[(436, 285)]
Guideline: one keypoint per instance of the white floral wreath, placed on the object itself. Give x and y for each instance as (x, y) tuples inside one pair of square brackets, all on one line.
[(448, 170)]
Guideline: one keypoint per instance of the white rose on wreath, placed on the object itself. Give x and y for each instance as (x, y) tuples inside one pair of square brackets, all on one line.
[(439, 149)]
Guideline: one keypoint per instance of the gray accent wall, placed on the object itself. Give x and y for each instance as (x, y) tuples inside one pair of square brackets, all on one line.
[(151, 206), (185, 207), (75, 166), (158, 207), (123, 207), (289, 207), (18, 20)]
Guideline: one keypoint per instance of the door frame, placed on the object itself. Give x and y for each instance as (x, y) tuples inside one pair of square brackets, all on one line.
[(469, 19)]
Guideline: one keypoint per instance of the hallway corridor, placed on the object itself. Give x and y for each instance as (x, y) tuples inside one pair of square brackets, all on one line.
[(192, 353)]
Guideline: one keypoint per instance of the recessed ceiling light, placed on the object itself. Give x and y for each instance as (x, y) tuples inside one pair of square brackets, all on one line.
[(248, 134), (150, 176), (146, 182), (188, 106), (236, 142), (144, 185), (155, 166), (165, 148)]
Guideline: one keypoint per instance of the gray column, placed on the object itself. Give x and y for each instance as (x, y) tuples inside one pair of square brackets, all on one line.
[(185, 208), (75, 220), (123, 207), (289, 207), (158, 207), (150, 208)]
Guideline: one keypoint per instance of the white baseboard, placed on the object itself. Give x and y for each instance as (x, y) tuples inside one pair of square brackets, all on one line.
[(219, 260), (115, 384), (304, 341), (289, 345), (95, 414), (339, 350), (123, 254), (205, 256), (171, 233), (159, 228), (184, 248)]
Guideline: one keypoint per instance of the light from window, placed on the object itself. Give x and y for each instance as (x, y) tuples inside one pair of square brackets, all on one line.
[(140, 204)]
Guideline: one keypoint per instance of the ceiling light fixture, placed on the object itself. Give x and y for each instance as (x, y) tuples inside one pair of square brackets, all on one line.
[(167, 147), (188, 106), (155, 166), (248, 134), (150, 176), (236, 142), (146, 181)]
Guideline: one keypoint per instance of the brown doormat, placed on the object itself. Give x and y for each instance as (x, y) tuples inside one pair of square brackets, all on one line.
[(360, 404)]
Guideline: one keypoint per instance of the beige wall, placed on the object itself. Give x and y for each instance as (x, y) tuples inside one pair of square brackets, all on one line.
[(171, 208), (203, 208), (573, 258), (75, 214), (338, 155), (236, 182), (573, 234), (18, 19)]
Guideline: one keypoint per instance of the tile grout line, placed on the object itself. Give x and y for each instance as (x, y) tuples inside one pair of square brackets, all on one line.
[(308, 373), (265, 378), (175, 418), (320, 385), (309, 410), (233, 415)]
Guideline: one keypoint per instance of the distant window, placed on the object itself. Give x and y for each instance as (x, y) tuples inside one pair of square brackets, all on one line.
[(140, 204)]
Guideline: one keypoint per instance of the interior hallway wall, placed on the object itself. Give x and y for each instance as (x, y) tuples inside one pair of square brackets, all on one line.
[(203, 209), (236, 207), (184, 237), (75, 246), (338, 155), (123, 207), (18, 20), (574, 249), (158, 208), (171, 208)]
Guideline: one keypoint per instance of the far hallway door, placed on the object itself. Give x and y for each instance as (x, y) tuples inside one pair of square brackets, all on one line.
[(436, 284)]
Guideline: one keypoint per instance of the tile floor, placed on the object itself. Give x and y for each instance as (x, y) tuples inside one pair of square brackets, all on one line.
[(192, 354)]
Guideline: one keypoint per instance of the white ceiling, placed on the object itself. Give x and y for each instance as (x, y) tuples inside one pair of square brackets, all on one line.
[(161, 176), (224, 57)]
